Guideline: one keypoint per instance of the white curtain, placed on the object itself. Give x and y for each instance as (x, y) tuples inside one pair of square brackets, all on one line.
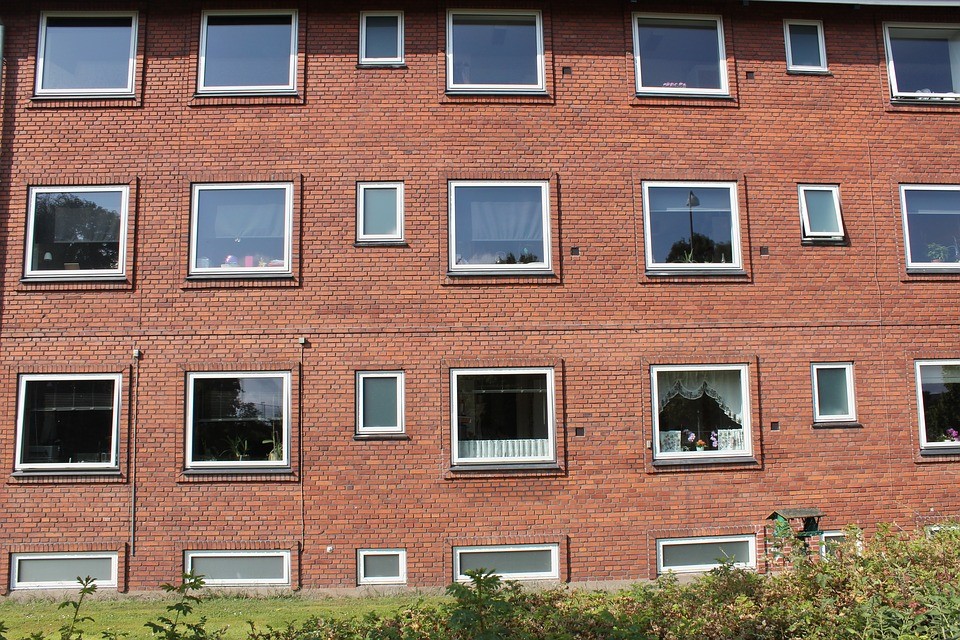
[(248, 221), (523, 448), (506, 221), (724, 386)]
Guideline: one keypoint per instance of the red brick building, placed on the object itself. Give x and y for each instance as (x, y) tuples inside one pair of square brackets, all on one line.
[(326, 294)]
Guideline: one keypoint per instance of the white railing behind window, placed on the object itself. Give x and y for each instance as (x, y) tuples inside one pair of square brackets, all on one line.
[(529, 448)]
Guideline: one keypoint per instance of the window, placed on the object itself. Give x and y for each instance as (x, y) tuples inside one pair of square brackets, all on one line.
[(87, 54), (820, 212), (238, 419), (923, 61), (829, 541), (833, 399), (516, 562), (806, 51), (77, 232), (691, 226), (500, 227), (693, 555), (503, 415), (931, 222), (68, 422), (239, 568), (241, 229), (243, 52), (381, 37), (381, 566), (701, 411), (679, 55), (379, 402), (499, 52), (380, 212), (938, 398), (60, 570)]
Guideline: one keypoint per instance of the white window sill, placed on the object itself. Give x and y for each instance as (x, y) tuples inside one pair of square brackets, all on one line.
[(504, 467), (32, 473), (381, 436), (237, 470), (477, 91), (654, 271), (705, 460), (84, 96)]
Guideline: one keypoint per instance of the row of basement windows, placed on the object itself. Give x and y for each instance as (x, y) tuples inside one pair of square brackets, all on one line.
[(231, 568), (487, 52), (500, 416), (246, 229)]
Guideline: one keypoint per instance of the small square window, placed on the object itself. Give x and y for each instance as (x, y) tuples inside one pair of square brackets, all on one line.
[(379, 402), (381, 566), (938, 399), (380, 212), (806, 51), (240, 568), (77, 232), (381, 37), (829, 541), (695, 555), (931, 217), (820, 212), (691, 226), (238, 419), (87, 54), (701, 412), (495, 52), (679, 55), (923, 61), (503, 416), (833, 399), (68, 422), (244, 52), (510, 562), (241, 229), (60, 570), (500, 227)]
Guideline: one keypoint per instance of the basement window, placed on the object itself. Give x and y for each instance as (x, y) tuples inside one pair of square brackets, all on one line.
[(240, 568), (246, 52), (696, 555), (495, 52), (679, 55), (60, 570), (510, 562), (381, 566), (923, 61)]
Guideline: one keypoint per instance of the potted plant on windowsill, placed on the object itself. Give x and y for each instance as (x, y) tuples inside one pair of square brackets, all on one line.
[(937, 252)]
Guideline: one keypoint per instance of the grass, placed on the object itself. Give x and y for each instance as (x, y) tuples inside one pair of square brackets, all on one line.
[(24, 617)]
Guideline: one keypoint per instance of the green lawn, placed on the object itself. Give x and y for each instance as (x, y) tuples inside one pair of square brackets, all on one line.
[(24, 617)]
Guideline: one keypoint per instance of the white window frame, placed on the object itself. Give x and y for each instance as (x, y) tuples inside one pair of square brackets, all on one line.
[(913, 263), (851, 415), (73, 466), (457, 461), (80, 274), (232, 464), (400, 579), (544, 267), (808, 232), (895, 92), (238, 271), (453, 87), (124, 92), (399, 58), (361, 378), (802, 68), (553, 574), (924, 443), (828, 539), (16, 584), (188, 557), (736, 263), (751, 541), (722, 91), (362, 235), (291, 84), (697, 457)]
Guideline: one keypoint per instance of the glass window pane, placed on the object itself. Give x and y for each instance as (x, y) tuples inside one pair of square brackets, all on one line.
[(495, 50), (382, 37), (940, 396), (240, 568), (380, 402), (68, 421), (238, 419), (507, 563), (63, 570), (700, 411), (923, 59), (832, 391), (499, 225), (805, 45), (933, 224), (690, 225), (380, 211), (241, 229), (821, 211), (381, 565), (247, 51), (76, 230), (700, 554), (679, 53), (503, 416), (87, 53)]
